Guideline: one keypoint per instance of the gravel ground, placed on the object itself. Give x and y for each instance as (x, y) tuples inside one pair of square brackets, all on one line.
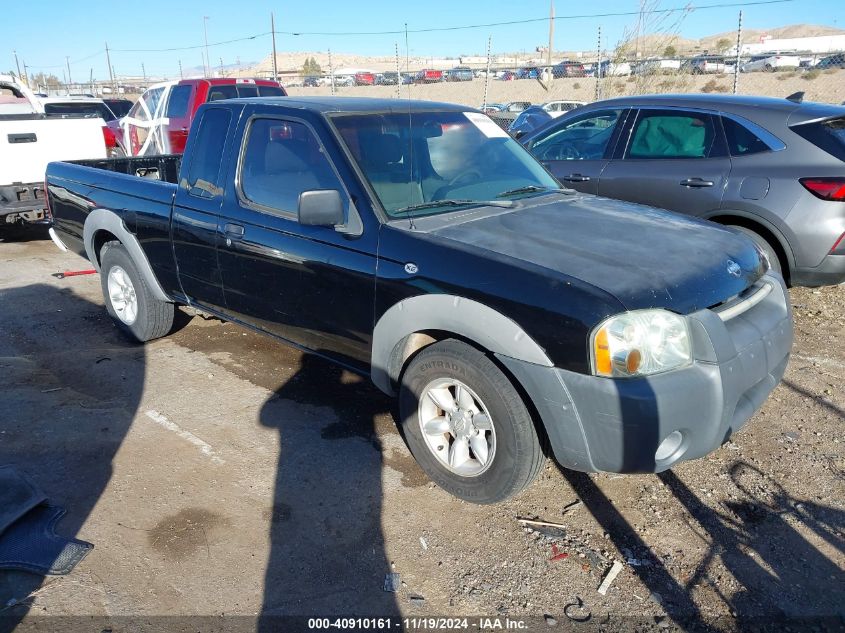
[(218, 472)]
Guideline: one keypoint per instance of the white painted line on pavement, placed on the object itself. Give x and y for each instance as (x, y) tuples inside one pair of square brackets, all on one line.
[(205, 447)]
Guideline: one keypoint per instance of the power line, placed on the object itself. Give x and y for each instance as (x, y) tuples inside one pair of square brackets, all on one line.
[(583, 16)]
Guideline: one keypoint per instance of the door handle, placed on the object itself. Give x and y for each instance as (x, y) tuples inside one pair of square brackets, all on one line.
[(696, 182), (233, 230), (576, 178), (26, 137)]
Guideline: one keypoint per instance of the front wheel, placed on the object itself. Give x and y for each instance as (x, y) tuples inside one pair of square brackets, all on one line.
[(467, 425), (128, 298)]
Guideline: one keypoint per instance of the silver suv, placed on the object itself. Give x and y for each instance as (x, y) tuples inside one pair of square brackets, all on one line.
[(771, 168)]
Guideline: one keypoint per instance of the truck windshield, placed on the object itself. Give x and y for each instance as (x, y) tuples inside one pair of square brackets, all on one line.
[(425, 163)]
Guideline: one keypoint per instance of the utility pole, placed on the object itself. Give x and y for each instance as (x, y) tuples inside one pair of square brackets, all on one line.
[(67, 60), (25, 74), (598, 67), (398, 74), (91, 80), (738, 47), (273, 37), (551, 32), (206, 69), (16, 63), (487, 72), (331, 71), (221, 66), (111, 69), (181, 76), (144, 73)]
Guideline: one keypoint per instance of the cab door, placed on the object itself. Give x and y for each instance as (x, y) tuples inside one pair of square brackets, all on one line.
[(675, 159), (196, 209), (313, 286), (578, 147)]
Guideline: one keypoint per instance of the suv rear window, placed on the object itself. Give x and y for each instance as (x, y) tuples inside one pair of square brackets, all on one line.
[(828, 135), (233, 91)]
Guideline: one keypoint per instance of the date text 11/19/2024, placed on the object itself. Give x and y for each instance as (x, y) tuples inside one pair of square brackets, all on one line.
[(418, 624)]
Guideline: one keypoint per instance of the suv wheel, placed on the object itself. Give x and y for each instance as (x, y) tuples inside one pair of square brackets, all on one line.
[(467, 425), (128, 298)]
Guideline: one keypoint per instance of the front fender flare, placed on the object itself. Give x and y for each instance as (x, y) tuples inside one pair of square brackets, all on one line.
[(107, 220), (448, 313)]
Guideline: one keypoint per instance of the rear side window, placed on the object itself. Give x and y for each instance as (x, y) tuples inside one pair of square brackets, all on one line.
[(204, 175), (827, 135), (177, 106), (741, 140), (663, 134), (281, 160)]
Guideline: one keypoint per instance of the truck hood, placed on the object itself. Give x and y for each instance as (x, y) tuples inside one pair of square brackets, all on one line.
[(645, 257)]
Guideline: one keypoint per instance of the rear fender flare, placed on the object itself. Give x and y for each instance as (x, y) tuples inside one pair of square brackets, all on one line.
[(107, 220), (463, 317)]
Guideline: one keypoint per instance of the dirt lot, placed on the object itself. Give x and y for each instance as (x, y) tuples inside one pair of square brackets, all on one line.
[(218, 472)]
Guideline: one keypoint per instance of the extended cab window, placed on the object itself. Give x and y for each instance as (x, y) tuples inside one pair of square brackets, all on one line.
[(583, 138), (281, 160), (667, 134), (204, 175)]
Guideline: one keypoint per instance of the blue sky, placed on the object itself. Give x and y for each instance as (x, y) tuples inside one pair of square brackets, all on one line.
[(48, 30)]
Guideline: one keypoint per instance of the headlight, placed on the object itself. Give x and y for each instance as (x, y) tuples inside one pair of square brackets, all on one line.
[(640, 343)]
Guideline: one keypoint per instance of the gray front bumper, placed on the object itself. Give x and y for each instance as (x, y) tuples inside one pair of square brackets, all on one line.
[(616, 425)]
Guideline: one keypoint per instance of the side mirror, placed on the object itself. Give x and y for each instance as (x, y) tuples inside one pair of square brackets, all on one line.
[(320, 207), (519, 134)]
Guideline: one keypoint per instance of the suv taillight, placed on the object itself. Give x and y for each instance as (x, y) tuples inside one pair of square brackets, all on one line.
[(825, 188)]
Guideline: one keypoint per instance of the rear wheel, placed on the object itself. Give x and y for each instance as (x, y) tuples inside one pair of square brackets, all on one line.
[(128, 298), (764, 245), (467, 425)]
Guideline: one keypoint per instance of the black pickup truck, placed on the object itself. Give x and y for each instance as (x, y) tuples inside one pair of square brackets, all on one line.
[(417, 243)]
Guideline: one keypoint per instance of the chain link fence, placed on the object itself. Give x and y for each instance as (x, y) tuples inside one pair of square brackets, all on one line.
[(505, 85)]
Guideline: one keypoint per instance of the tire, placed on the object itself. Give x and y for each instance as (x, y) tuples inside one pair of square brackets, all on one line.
[(764, 245), (514, 455), (769, 68), (152, 318)]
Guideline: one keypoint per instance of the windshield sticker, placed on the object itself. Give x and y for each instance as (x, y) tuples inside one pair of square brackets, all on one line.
[(486, 125)]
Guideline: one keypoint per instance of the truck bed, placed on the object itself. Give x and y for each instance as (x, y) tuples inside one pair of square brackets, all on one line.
[(164, 167)]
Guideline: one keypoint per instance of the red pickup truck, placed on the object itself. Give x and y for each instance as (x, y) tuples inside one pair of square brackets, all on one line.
[(159, 121)]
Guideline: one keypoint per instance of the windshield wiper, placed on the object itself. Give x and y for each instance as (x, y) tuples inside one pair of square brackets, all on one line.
[(454, 203), (527, 189)]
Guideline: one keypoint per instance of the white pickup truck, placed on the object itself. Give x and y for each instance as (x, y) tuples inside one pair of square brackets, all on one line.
[(29, 139)]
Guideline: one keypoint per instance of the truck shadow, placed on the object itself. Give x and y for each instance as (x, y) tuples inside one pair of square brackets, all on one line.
[(781, 573), (66, 408), (327, 552)]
